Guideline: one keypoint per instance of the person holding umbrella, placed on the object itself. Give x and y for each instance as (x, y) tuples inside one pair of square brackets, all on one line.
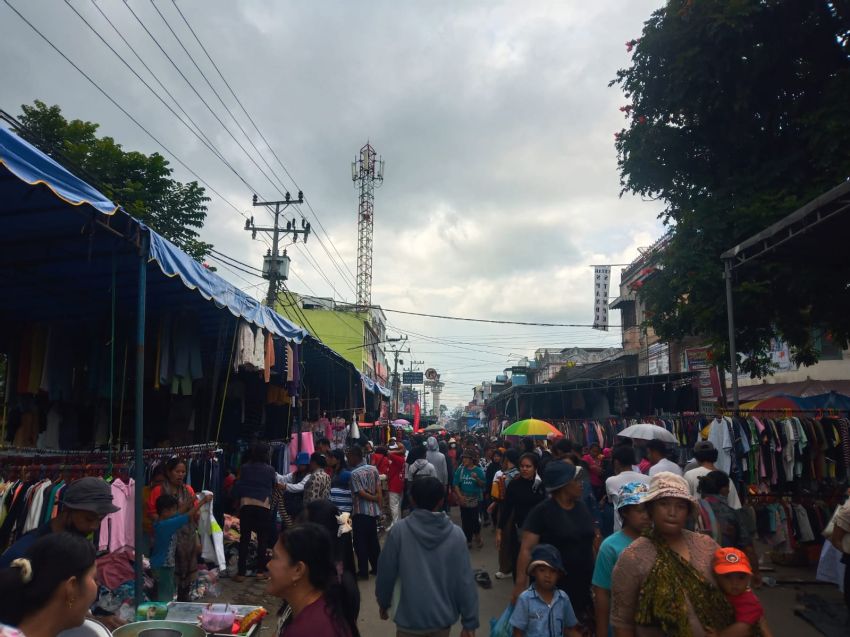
[(657, 451)]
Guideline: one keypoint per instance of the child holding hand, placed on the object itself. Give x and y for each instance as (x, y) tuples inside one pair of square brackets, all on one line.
[(544, 610)]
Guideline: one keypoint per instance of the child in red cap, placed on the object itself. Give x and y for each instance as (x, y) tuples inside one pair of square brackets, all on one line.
[(733, 572)]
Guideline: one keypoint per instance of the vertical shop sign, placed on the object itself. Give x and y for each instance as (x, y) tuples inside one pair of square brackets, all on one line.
[(601, 285), (698, 359)]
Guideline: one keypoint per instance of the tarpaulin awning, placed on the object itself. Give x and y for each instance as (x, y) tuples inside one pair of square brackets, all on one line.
[(806, 389), (61, 240), (373, 386)]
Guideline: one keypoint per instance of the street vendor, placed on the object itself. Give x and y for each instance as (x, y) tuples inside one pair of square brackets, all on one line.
[(84, 505)]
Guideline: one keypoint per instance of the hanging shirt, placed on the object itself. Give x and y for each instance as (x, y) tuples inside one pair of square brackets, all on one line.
[(718, 435)]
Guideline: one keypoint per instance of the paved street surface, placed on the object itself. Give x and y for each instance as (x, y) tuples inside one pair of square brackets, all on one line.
[(779, 602)]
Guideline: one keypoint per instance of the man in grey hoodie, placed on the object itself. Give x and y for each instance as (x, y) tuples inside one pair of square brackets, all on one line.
[(436, 458), (425, 556)]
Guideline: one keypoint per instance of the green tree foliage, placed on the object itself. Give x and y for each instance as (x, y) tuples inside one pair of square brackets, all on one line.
[(738, 114), (141, 183)]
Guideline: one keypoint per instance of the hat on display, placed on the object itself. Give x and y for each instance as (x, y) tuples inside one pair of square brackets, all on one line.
[(557, 474), (89, 494), (729, 560), (630, 494), (704, 445), (545, 555), (302, 459), (667, 484)]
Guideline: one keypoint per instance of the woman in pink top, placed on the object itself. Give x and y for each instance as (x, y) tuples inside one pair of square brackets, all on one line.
[(593, 458), (302, 572)]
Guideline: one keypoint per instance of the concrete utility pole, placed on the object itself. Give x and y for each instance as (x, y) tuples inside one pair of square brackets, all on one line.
[(412, 363), (276, 265), (396, 383)]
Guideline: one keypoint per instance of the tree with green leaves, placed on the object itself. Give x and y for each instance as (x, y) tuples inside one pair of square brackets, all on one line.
[(141, 184), (738, 114)]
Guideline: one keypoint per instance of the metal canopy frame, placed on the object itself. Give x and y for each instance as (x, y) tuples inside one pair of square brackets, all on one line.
[(799, 222), (802, 221)]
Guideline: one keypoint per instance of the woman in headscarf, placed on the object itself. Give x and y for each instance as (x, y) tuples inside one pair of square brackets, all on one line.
[(663, 583)]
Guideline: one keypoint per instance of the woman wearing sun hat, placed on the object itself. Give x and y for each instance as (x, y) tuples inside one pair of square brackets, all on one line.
[(663, 583)]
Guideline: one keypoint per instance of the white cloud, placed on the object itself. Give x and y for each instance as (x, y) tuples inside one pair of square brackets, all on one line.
[(495, 120)]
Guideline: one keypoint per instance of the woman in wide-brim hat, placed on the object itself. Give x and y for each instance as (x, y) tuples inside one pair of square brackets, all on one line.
[(663, 583)]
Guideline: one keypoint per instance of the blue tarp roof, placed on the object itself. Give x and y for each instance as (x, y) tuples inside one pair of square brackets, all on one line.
[(60, 240)]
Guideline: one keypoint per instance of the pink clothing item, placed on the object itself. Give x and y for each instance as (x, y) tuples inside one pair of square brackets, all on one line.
[(595, 470), (118, 529), (306, 445), (113, 569), (644, 466)]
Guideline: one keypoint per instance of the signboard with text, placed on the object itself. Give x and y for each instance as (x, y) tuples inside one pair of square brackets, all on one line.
[(601, 288), (412, 378), (699, 359)]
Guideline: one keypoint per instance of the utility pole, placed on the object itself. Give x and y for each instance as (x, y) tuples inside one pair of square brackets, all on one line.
[(276, 265), (396, 383), (412, 363)]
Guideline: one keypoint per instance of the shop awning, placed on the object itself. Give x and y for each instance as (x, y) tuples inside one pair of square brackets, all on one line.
[(60, 232), (373, 386)]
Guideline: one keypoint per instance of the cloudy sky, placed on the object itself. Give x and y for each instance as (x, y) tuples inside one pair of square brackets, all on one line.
[(495, 120)]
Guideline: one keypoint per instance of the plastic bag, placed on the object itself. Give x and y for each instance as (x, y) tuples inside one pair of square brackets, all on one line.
[(501, 627), (217, 618)]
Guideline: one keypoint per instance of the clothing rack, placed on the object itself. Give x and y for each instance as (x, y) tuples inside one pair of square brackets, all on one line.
[(37, 452)]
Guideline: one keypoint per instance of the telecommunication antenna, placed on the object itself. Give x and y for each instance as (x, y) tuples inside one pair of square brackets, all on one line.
[(368, 170)]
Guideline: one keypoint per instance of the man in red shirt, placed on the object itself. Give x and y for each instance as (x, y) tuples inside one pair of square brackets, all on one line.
[(395, 479)]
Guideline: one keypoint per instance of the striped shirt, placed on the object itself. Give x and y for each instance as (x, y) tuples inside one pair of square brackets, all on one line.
[(341, 498), (365, 477)]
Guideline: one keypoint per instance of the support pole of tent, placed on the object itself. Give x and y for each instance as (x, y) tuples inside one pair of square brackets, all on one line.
[(139, 409), (730, 316)]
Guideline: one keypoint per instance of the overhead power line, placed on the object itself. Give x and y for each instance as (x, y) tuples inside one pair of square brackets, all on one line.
[(109, 97), (268, 145), (479, 320)]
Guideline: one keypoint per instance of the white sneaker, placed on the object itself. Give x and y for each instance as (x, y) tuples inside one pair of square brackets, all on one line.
[(500, 575)]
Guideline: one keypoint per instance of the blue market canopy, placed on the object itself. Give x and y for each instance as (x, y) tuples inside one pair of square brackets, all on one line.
[(374, 386), (62, 241)]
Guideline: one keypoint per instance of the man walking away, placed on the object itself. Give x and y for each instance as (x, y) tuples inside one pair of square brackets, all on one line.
[(367, 505), (657, 452), (425, 556), (623, 458), (437, 459)]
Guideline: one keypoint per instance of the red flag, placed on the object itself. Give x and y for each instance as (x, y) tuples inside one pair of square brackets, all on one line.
[(416, 418)]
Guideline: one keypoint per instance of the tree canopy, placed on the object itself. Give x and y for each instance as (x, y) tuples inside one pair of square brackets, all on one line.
[(738, 114), (141, 183)]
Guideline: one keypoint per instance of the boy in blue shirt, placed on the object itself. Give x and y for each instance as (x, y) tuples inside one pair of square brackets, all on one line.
[(162, 555), (635, 519), (544, 610)]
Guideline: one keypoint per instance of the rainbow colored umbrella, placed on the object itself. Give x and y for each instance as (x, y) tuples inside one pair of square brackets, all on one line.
[(531, 427)]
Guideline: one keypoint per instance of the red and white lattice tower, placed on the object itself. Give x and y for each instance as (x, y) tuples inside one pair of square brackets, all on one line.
[(368, 169)]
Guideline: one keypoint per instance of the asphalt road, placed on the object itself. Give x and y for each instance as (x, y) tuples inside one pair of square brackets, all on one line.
[(779, 602)]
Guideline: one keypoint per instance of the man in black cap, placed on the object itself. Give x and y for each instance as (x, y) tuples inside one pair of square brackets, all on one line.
[(84, 504)]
